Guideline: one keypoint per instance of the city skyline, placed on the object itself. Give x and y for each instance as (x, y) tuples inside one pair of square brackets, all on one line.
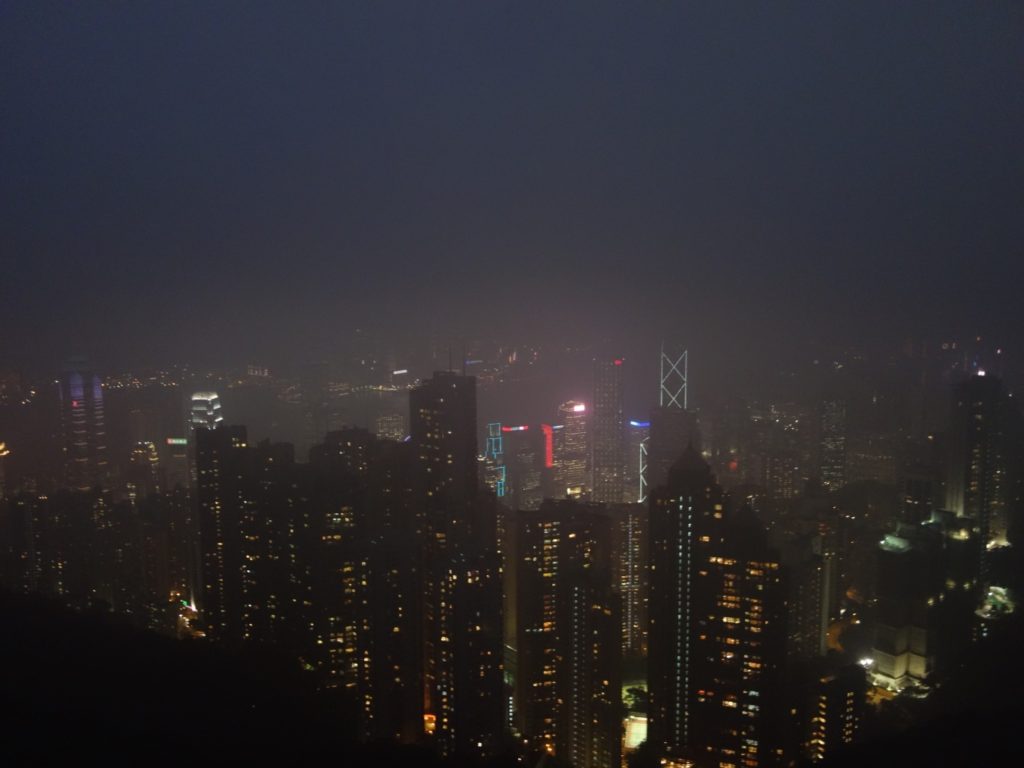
[(573, 385)]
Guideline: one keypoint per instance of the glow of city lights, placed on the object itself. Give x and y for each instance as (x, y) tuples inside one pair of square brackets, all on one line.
[(579, 408), (515, 429)]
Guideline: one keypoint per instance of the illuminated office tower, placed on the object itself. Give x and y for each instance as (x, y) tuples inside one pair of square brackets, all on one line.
[(637, 442), (672, 425), (607, 463), (493, 471), (977, 481), (571, 453), (84, 429), (205, 410), (568, 636), (223, 495), (717, 633), (833, 444), (463, 685)]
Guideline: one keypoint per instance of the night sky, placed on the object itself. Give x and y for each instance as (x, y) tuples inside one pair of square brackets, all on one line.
[(236, 179)]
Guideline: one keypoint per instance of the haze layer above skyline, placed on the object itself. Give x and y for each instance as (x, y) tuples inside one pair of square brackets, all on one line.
[(187, 179)]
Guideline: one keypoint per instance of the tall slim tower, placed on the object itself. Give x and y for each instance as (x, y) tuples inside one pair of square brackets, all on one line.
[(608, 464), (84, 429), (833, 444), (462, 660), (223, 493)]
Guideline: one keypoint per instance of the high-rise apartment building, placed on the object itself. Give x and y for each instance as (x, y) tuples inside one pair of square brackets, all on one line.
[(717, 632), (224, 498), (568, 636), (462, 626), (630, 573), (391, 426)]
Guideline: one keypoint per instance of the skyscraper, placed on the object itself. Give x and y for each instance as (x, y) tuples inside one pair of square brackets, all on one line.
[(205, 410), (638, 434), (672, 425), (671, 430), (571, 450), (525, 474), (223, 494), (367, 589), (630, 573), (568, 640), (833, 444), (717, 626), (84, 429), (607, 433), (462, 624), (977, 482)]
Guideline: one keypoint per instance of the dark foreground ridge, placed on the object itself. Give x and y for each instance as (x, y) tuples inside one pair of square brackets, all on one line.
[(88, 686)]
